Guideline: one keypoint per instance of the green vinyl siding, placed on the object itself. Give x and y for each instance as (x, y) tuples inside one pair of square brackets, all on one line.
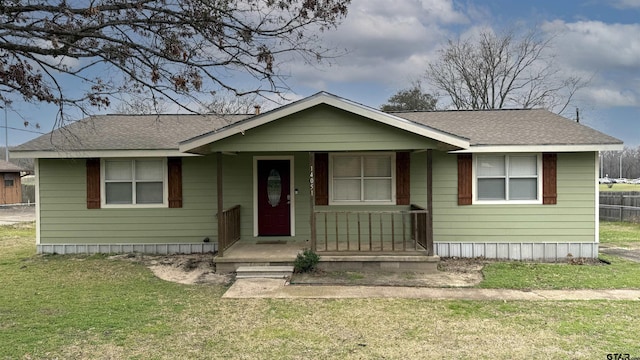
[(418, 175), (65, 219), (322, 128), (572, 219)]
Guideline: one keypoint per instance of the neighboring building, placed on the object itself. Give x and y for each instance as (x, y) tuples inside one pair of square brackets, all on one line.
[(518, 184), (10, 185)]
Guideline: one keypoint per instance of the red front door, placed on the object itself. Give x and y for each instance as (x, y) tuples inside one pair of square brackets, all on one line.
[(274, 198)]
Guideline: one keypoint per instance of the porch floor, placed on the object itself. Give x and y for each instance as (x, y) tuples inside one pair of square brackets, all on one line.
[(252, 253)]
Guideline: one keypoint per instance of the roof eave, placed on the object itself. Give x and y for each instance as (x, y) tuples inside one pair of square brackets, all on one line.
[(83, 154), (539, 148)]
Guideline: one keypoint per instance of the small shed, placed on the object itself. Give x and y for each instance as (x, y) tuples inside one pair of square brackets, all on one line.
[(10, 184)]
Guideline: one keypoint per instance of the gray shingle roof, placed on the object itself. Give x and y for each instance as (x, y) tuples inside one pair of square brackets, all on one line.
[(165, 132), (128, 132), (6, 166), (510, 127)]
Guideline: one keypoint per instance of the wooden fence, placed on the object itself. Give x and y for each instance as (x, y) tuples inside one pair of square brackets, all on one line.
[(620, 206)]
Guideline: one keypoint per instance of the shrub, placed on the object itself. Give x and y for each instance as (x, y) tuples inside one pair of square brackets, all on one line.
[(306, 261)]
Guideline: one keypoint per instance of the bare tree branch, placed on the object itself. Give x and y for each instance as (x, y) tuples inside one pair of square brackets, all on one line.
[(174, 49), (505, 70)]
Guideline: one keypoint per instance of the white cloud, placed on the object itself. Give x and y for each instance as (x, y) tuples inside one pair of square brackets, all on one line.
[(597, 45), (609, 54), (443, 11), (56, 61), (625, 4), (609, 97), (386, 42)]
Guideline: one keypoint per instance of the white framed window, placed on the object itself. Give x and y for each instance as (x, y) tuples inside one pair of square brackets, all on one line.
[(134, 182), (362, 178), (512, 178)]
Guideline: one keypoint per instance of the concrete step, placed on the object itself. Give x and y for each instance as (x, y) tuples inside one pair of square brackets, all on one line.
[(272, 272)]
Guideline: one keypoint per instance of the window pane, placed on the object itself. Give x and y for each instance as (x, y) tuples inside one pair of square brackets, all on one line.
[(379, 189), (149, 170), (118, 193), (490, 166), (346, 190), (523, 165), (491, 189), (379, 166), (149, 193), (523, 189), (117, 170), (346, 166)]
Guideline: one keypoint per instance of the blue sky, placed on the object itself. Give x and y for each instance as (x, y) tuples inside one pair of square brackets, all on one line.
[(389, 44)]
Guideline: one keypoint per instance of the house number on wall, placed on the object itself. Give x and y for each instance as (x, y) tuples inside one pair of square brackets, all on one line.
[(274, 187)]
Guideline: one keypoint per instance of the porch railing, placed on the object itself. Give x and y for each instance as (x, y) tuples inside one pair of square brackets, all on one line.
[(230, 229), (371, 231), (419, 227)]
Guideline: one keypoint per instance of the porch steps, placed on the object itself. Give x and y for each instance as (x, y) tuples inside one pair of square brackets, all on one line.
[(271, 272)]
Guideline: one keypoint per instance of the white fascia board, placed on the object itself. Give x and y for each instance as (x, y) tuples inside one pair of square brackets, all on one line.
[(401, 123), (80, 154), (539, 148), (324, 98)]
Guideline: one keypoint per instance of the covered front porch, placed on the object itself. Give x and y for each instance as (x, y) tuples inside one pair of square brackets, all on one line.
[(349, 182), (346, 238)]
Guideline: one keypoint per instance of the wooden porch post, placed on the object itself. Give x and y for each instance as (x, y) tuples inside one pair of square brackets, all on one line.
[(221, 242), (312, 199), (430, 202)]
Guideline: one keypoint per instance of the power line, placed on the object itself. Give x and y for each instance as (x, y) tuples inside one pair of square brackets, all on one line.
[(26, 130)]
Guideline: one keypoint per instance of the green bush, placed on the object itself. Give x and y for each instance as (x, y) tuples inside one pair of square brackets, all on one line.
[(306, 261)]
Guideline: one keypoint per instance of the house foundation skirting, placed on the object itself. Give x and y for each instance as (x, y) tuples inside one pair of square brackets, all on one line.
[(547, 251), (175, 248)]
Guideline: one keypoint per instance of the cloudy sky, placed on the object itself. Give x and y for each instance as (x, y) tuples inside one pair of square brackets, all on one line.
[(389, 44)]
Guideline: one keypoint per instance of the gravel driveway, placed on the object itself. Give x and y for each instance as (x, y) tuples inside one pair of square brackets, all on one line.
[(10, 215), (629, 254)]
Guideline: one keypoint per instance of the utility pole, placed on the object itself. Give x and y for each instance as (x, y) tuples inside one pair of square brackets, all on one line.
[(620, 165), (601, 163), (6, 133)]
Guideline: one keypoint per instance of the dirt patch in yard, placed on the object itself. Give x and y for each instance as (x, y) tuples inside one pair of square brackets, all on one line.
[(625, 253), (181, 268), (201, 269), (452, 272)]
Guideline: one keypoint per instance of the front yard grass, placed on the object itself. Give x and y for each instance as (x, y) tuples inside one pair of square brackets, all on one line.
[(619, 274), (619, 187), (92, 307), (620, 234)]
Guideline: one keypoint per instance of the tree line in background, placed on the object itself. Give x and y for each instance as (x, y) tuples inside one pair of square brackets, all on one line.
[(624, 164)]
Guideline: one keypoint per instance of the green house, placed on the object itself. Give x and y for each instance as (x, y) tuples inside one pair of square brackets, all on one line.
[(351, 182)]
